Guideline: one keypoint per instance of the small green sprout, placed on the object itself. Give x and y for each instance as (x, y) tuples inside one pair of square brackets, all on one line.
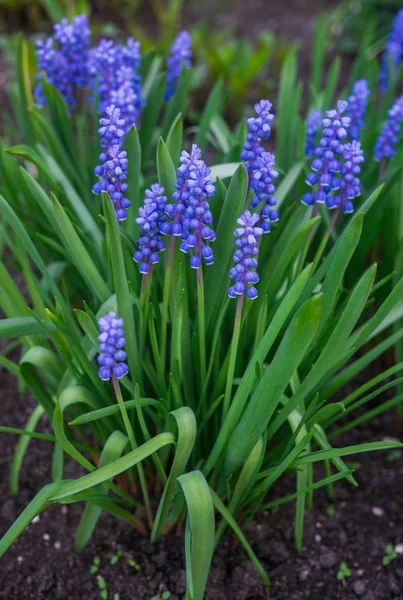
[(116, 557), (390, 555), (330, 510), (95, 565), (133, 564), (116, 596), (163, 596), (394, 455), (103, 592), (343, 571)]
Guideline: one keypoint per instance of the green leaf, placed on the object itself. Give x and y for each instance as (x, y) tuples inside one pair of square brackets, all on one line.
[(273, 383), (223, 171), (175, 139), (200, 522), (212, 107), (166, 169), (22, 326), (21, 449), (132, 146), (224, 244), (337, 452)]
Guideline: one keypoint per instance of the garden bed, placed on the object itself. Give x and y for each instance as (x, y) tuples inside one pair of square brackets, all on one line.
[(43, 563)]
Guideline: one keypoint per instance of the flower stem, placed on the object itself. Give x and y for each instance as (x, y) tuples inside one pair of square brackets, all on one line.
[(133, 442), (232, 357), (202, 333), (144, 304), (325, 239), (165, 300)]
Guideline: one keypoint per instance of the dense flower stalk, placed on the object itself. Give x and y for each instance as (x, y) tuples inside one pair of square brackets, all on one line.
[(326, 166), (111, 344), (357, 104), (245, 256), (114, 78), (350, 188), (262, 184), (312, 126), (385, 145), (179, 57), (63, 59), (259, 129), (393, 52), (191, 215), (151, 217), (113, 170)]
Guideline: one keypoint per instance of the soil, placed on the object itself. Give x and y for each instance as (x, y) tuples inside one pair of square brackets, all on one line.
[(354, 527)]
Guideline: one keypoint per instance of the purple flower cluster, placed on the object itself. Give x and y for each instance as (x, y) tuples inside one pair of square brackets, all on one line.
[(114, 78), (353, 156), (113, 170), (111, 344), (180, 56), (264, 188), (389, 136), (357, 104), (191, 215), (259, 129), (326, 166), (260, 164), (63, 59), (393, 51), (151, 218), (245, 256), (312, 125)]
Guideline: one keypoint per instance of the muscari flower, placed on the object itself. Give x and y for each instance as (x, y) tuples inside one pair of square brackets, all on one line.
[(151, 218), (357, 104), (353, 156), (245, 256), (326, 165), (180, 56), (111, 344), (114, 78), (262, 184), (389, 136), (63, 59), (312, 125), (393, 51), (259, 129), (113, 170)]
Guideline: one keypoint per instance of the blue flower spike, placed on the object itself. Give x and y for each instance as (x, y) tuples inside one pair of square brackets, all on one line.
[(385, 145), (151, 218), (191, 215), (180, 56), (113, 170), (111, 344), (262, 184), (393, 52), (245, 256), (353, 156), (259, 129), (326, 166), (357, 104)]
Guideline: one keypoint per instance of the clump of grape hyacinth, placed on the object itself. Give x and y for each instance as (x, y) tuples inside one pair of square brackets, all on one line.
[(151, 218), (385, 145), (63, 59), (191, 215), (353, 156), (326, 166), (113, 170), (312, 126), (180, 56), (115, 79), (111, 344), (357, 104), (245, 256), (262, 184), (393, 52)]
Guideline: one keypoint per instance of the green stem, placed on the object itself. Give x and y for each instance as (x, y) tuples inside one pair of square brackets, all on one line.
[(202, 333), (133, 442), (165, 300), (325, 239), (144, 305), (305, 249), (232, 357)]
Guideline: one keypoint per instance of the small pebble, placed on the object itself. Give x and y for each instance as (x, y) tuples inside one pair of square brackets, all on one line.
[(377, 511), (46, 537), (36, 519), (20, 559), (318, 538), (57, 545), (318, 525), (399, 549), (359, 587)]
